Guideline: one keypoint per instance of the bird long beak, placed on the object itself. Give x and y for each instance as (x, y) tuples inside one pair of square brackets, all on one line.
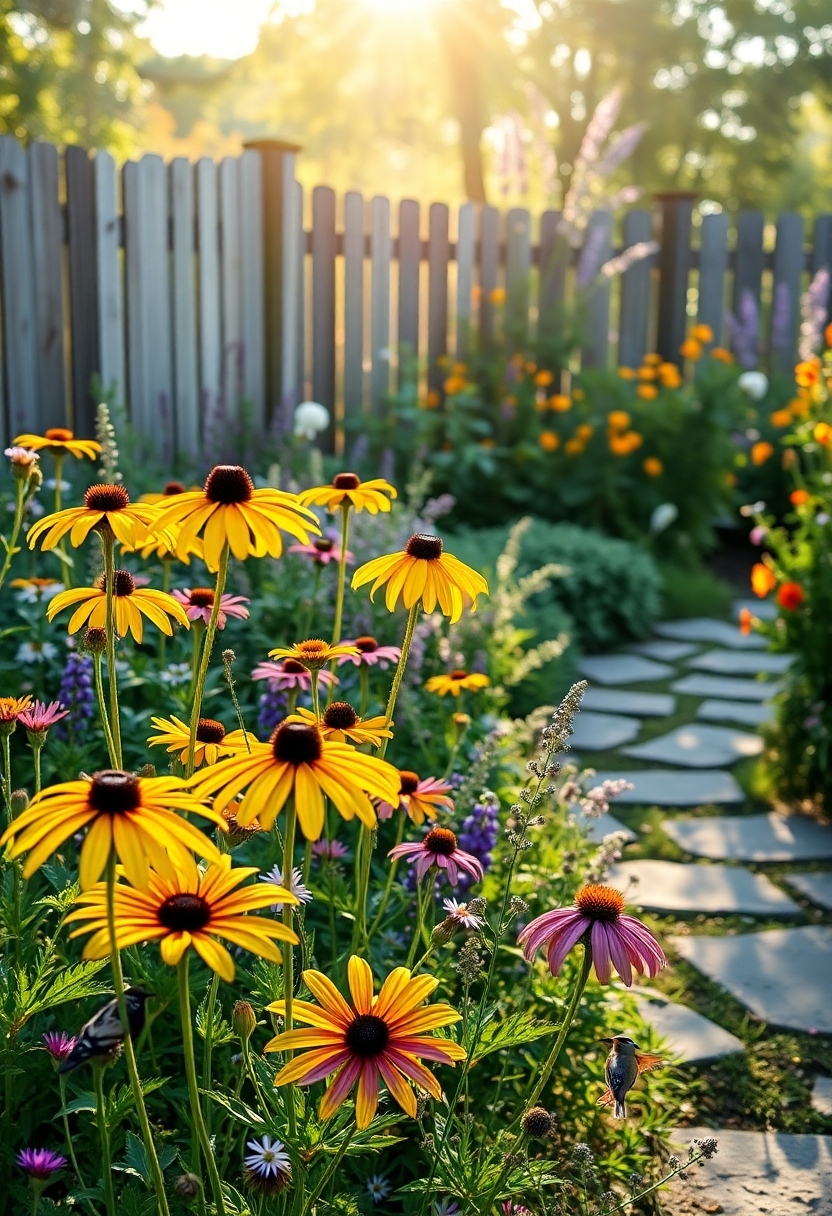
[(606, 1040)]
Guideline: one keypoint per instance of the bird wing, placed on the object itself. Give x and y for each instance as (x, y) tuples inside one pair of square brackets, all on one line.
[(646, 1062), (606, 1098)]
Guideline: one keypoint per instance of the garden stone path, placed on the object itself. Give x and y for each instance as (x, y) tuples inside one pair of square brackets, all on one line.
[(760, 608), (599, 732), (783, 976), (599, 826)]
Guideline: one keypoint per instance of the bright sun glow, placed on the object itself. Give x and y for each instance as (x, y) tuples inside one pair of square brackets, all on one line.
[(395, 7)]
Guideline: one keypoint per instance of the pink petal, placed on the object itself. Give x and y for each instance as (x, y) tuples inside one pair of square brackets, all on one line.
[(601, 952), (618, 953), (542, 927), (563, 941), (323, 1070)]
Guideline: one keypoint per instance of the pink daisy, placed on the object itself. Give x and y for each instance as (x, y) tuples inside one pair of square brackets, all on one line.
[(616, 940), (198, 603), (289, 673), (39, 716), (59, 1044), (322, 551), (418, 798), (331, 850), (439, 848), (370, 653)]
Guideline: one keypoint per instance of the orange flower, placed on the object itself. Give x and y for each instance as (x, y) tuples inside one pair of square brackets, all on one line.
[(543, 379), (823, 433), (790, 596), (730, 479), (549, 441), (762, 580), (648, 392), (655, 360), (827, 335), (691, 349), (561, 402), (722, 355), (746, 621), (653, 467), (454, 384), (531, 368), (670, 375), (761, 452), (781, 418), (798, 497), (574, 447), (584, 431), (627, 373), (432, 399), (618, 420), (647, 372), (486, 443), (799, 407), (702, 333), (807, 373), (625, 444)]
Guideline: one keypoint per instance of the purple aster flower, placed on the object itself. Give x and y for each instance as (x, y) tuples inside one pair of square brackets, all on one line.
[(40, 1163), (76, 694), (59, 1044), (274, 706), (478, 834)]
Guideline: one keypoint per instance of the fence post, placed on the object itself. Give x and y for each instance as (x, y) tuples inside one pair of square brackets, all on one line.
[(280, 249), (83, 293), (674, 265)]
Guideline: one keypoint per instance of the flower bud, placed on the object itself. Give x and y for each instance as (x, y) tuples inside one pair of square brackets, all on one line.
[(95, 641), (243, 1020), (147, 770), (187, 1187), (18, 801), (537, 1122), (444, 931)]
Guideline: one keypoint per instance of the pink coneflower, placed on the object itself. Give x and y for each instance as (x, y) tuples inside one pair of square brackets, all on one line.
[(329, 850), (59, 1044), (40, 1163), (370, 653), (40, 716), (322, 551), (289, 673), (616, 940), (439, 848), (198, 603), (418, 798)]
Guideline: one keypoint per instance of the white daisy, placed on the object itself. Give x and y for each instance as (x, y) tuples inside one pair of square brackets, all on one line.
[(39, 594), (378, 1187), (36, 652), (296, 886), (459, 912), (268, 1159), (175, 674)]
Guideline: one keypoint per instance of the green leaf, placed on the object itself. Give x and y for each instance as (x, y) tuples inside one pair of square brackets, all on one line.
[(73, 983), (221, 1031), (511, 1032), (83, 1102), (238, 1109), (136, 1160)]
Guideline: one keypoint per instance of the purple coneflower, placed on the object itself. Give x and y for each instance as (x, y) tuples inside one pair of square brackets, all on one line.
[(59, 1044), (616, 940), (40, 716), (370, 653), (289, 673), (418, 797), (329, 850), (322, 551), (198, 603), (439, 848), (40, 1163)]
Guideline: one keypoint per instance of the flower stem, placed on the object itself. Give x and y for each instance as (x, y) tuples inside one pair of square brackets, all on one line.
[(364, 677), (316, 696), (108, 542), (102, 709), (11, 546), (286, 947), (310, 612), (104, 1137), (197, 1121), (422, 895), (7, 774), (397, 678), (327, 1174), (36, 751), (66, 576), (391, 876), (209, 1041), (207, 647), (363, 863), (546, 1072), (342, 573), (69, 1144), (129, 1054)]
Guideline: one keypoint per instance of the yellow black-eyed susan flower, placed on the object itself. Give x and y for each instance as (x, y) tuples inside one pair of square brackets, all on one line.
[(423, 571), (129, 604)]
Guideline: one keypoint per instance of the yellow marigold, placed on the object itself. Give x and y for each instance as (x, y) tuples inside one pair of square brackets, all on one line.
[(497, 296), (618, 420), (781, 418), (653, 359), (702, 333), (761, 452), (584, 431), (691, 349), (652, 466), (722, 355), (459, 369), (531, 368), (561, 402), (454, 385), (807, 373), (544, 379), (574, 447), (647, 372), (627, 373), (549, 441), (648, 392), (763, 580), (633, 440), (799, 407), (670, 375), (823, 433)]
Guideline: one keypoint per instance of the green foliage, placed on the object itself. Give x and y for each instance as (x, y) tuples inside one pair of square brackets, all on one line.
[(689, 589)]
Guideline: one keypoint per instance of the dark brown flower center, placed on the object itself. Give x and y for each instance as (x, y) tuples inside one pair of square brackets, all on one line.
[(323, 544), (600, 903), (95, 641), (296, 743), (173, 487), (59, 434), (441, 841), (123, 583), (202, 597), (229, 483), (184, 913), (368, 1035), (106, 498), (293, 667), (409, 781), (366, 644), (346, 481), (426, 548), (459, 674), (113, 792), (208, 730), (340, 715)]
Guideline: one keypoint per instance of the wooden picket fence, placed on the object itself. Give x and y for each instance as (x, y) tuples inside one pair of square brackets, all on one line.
[(194, 295)]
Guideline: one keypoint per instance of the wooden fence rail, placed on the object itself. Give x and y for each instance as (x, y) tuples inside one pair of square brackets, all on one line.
[(194, 295)]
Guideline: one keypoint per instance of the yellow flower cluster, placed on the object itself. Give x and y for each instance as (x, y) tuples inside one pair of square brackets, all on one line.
[(578, 443), (620, 439)]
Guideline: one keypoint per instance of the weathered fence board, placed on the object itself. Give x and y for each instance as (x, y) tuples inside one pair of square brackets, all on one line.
[(47, 255), (713, 266), (785, 304), (323, 300), (438, 257), (489, 269), (634, 325), (380, 302), (748, 280), (674, 269), (410, 261), (353, 304), (518, 270), (19, 314), (252, 296), (466, 245), (80, 207), (109, 280), (595, 349), (553, 256), (185, 374), (230, 278), (208, 296)]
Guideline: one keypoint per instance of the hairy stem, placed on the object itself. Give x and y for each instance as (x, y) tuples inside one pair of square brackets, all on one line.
[(207, 647), (104, 1137), (197, 1121)]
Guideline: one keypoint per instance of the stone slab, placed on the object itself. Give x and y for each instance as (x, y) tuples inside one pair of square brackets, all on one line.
[(623, 669), (664, 650), (598, 732), (770, 837), (754, 1174), (669, 787), (697, 746), (706, 629), (764, 609), (695, 685), (618, 700), (599, 826), (822, 1096), (784, 976), (690, 1036), (672, 886), (817, 887), (741, 662), (746, 713)]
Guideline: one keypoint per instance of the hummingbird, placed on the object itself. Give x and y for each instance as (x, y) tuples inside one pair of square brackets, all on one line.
[(624, 1065), (103, 1034)]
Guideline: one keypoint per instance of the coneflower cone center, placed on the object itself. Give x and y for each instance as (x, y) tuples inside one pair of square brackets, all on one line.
[(367, 1035), (366, 644), (312, 653), (106, 498), (600, 903), (409, 781), (293, 667), (441, 841), (346, 481), (229, 483), (296, 743), (202, 597), (208, 730), (427, 548), (340, 715), (58, 434), (123, 583), (185, 913), (324, 545), (113, 792), (173, 487), (459, 674)]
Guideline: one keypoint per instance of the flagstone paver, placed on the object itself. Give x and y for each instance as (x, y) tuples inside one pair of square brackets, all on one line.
[(643, 704), (746, 713), (623, 669), (690, 1036), (599, 732), (781, 975), (723, 686), (822, 1096), (672, 886), (599, 826), (741, 662), (769, 837), (754, 1174), (705, 629), (676, 787), (699, 746), (817, 887), (765, 610), (664, 651)]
